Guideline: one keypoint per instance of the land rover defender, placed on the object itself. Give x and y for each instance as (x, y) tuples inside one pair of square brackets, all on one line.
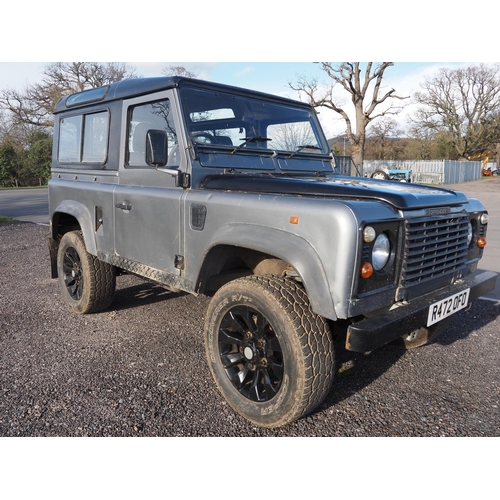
[(232, 193)]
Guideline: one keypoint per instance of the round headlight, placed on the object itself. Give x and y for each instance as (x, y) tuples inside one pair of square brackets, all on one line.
[(470, 233), (381, 252), (369, 234)]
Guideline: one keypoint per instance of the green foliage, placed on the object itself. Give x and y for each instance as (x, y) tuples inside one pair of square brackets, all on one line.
[(26, 163), (39, 156), (9, 164)]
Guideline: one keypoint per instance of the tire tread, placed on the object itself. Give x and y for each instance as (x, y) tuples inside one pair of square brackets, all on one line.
[(101, 279), (313, 338)]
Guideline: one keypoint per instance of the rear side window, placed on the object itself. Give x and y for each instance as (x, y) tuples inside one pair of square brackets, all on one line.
[(84, 138)]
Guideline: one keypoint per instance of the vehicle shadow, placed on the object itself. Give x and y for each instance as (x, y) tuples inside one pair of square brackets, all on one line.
[(141, 294), (356, 371)]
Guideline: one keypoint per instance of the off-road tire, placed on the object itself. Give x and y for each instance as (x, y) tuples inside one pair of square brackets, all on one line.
[(87, 284), (271, 357)]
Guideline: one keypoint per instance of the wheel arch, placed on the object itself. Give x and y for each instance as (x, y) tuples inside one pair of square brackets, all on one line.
[(274, 251), (70, 216)]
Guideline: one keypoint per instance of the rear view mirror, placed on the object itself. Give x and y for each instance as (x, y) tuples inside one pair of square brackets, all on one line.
[(156, 148)]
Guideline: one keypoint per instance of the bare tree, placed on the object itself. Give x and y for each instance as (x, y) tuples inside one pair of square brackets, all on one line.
[(366, 98), (3, 125), (178, 71), (34, 105), (422, 145), (461, 107), (383, 136)]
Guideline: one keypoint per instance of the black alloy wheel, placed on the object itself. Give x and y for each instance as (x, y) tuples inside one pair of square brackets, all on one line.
[(271, 357), (73, 273), (251, 354)]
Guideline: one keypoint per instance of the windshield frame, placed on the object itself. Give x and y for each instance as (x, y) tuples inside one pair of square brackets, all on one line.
[(234, 115)]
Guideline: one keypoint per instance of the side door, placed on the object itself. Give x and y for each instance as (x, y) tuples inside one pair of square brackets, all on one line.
[(146, 200)]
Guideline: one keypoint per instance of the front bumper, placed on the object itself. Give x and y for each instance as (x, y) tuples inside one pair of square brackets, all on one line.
[(370, 333)]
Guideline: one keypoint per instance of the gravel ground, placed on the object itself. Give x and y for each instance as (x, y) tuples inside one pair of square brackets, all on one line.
[(139, 368)]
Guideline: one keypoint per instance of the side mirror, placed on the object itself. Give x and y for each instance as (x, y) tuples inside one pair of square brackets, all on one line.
[(157, 156), (156, 148)]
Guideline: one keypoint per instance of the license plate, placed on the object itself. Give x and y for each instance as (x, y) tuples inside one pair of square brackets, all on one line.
[(446, 307)]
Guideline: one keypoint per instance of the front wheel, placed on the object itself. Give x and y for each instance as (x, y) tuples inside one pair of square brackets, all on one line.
[(87, 284), (270, 355)]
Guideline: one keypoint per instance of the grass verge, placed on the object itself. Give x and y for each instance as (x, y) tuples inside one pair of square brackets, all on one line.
[(5, 219)]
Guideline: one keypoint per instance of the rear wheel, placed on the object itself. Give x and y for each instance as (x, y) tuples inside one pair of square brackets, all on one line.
[(87, 284), (270, 355)]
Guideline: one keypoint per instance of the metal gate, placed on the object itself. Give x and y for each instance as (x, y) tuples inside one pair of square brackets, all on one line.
[(343, 165)]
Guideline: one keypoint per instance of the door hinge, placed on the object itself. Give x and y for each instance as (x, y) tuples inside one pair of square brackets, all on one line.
[(183, 180), (179, 262)]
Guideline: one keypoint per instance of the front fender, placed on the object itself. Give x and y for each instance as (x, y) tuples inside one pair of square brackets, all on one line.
[(291, 248)]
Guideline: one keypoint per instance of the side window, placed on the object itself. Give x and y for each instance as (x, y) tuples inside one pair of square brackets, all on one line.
[(84, 138), (70, 131), (152, 116), (95, 139)]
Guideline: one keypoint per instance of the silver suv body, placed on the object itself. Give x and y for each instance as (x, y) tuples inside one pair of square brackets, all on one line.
[(218, 190)]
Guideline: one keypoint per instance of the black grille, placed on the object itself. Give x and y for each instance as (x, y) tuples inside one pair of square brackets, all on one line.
[(435, 246)]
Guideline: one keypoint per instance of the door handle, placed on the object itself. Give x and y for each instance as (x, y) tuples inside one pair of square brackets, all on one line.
[(124, 206)]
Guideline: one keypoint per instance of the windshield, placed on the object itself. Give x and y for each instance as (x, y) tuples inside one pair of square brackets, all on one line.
[(234, 123)]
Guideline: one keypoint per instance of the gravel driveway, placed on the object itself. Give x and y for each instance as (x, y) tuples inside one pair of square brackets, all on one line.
[(139, 368)]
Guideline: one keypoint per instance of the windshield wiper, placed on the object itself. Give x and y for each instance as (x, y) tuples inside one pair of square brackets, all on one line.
[(246, 140), (300, 148)]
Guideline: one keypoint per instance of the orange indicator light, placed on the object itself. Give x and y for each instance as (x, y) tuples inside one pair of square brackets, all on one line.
[(481, 242), (294, 219), (366, 270)]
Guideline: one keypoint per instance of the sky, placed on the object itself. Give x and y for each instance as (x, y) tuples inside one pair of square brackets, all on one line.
[(271, 77), (278, 39)]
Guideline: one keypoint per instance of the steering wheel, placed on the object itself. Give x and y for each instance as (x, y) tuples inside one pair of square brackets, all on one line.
[(209, 137)]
